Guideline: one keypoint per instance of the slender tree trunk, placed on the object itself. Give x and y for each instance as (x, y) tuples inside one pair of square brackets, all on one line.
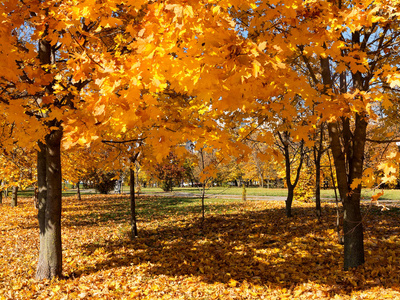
[(290, 186), (340, 238), (79, 191), (318, 150), (1, 192), (134, 232), (50, 252), (14, 197), (318, 186), (244, 193), (203, 192), (289, 201)]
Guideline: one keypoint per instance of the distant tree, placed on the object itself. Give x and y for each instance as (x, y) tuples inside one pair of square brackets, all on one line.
[(189, 167), (170, 171), (102, 181)]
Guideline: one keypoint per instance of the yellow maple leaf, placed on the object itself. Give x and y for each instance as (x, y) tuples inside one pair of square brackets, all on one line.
[(377, 196), (356, 182)]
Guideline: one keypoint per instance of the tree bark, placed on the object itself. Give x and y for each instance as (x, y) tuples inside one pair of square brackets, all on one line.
[(42, 195), (1, 192), (352, 220), (289, 201), (134, 232), (79, 191), (14, 198), (318, 187), (49, 215), (348, 156), (288, 165), (203, 193), (318, 151), (340, 238)]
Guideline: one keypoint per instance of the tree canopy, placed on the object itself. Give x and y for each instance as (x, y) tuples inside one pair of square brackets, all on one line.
[(160, 73)]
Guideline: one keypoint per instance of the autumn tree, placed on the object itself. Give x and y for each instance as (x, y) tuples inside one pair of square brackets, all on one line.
[(29, 94), (170, 171), (212, 73), (293, 154), (346, 54), (319, 148), (17, 169)]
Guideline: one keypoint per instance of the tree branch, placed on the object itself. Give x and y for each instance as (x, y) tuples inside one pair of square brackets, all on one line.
[(123, 142), (383, 141)]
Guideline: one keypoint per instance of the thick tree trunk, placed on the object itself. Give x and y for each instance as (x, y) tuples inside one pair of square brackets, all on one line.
[(352, 220), (50, 252), (42, 195), (348, 155), (353, 232), (134, 232), (14, 198)]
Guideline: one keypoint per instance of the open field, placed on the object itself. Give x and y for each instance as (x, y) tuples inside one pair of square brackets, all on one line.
[(251, 191), (244, 250), (256, 191)]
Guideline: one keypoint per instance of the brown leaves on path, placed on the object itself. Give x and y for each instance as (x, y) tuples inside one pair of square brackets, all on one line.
[(244, 251)]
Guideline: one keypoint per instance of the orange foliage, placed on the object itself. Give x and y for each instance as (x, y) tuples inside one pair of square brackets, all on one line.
[(245, 251)]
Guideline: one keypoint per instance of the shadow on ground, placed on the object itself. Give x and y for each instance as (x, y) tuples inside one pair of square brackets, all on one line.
[(257, 246)]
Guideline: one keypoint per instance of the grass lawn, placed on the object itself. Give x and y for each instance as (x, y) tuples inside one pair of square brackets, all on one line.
[(256, 191), (251, 191), (66, 192), (243, 250)]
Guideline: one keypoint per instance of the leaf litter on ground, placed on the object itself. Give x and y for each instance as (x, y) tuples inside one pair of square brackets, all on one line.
[(243, 250)]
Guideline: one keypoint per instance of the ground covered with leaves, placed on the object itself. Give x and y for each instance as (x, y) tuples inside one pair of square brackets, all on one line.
[(242, 251)]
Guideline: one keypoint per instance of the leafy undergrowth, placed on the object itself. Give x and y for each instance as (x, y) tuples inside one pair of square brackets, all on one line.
[(243, 251)]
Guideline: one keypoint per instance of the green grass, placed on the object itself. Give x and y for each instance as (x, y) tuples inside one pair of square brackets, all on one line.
[(66, 193), (251, 191), (257, 191)]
